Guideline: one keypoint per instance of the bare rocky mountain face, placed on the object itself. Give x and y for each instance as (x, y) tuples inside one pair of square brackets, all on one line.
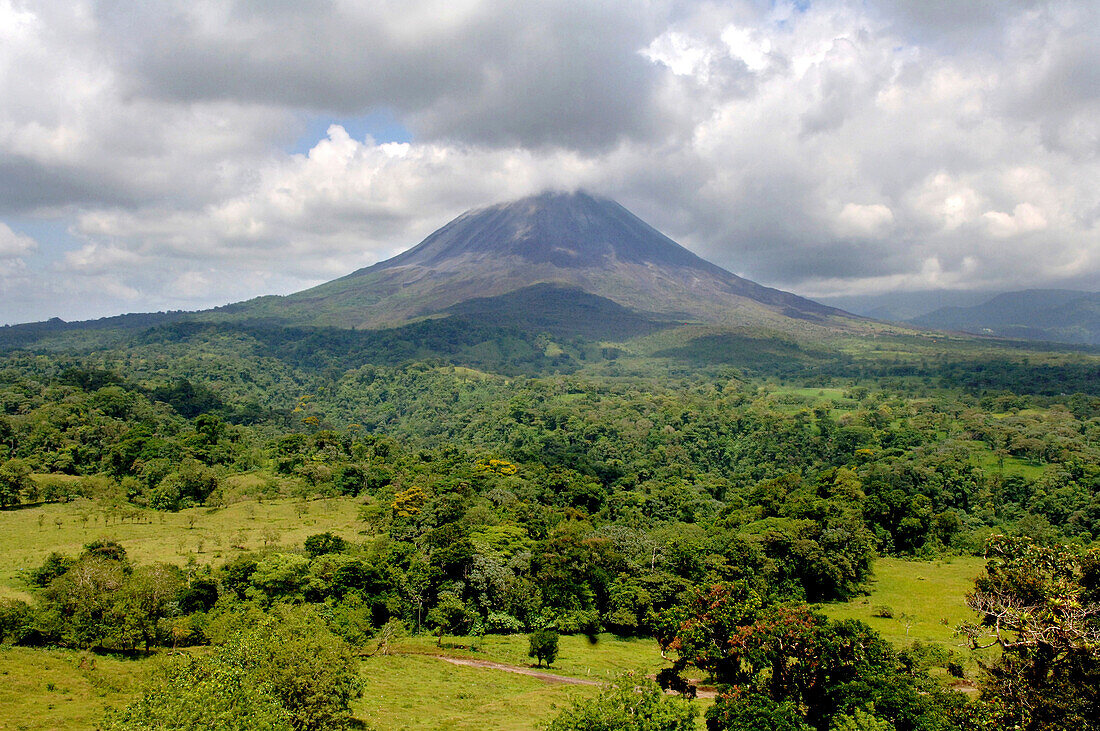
[(550, 242)]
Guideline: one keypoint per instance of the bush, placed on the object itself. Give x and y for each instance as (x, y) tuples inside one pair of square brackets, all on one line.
[(16, 621), (860, 720), (749, 711), (289, 673), (105, 548), (55, 565), (630, 704), (543, 646), (578, 622), (321, 543), (502, 624)]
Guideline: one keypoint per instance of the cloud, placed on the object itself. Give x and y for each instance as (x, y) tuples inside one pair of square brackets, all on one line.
[(1025, 218), (499, 72), (346, 203), (864, 220), (14, 245), (829, 147)]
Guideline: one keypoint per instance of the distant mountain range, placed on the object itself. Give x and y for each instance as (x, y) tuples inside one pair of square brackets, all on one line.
[(1059, 315), (904, 306)]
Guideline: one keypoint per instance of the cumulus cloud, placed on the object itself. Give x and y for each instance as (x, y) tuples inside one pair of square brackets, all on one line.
[(14, 245), (864, 220), (831, 147)]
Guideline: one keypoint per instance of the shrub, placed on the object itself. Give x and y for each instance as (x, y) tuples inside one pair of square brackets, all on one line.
[(321, 543), (543, 646), (577, 622), (16, 621), (503, 624), (55, 565), (289, 673), (630, 704)]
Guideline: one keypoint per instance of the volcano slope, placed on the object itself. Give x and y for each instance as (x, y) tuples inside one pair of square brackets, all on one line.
[(542, 246)]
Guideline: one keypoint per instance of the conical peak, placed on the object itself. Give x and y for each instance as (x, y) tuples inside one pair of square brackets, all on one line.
[(568, 229), (554, 198)]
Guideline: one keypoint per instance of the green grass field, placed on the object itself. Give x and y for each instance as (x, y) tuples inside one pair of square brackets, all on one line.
[(607, 658), (926, 599), (28, 535), (400, 686), (422, 692), (63, 689)]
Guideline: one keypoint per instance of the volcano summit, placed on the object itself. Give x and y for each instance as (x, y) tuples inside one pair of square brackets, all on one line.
[(539, 246)]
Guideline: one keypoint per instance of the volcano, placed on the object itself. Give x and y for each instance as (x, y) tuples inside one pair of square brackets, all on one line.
[(545, 246)]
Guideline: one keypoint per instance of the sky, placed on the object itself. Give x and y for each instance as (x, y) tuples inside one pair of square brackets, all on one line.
[(184, 154)]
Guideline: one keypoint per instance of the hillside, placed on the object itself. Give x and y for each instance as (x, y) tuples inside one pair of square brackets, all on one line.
[(1058, 315)]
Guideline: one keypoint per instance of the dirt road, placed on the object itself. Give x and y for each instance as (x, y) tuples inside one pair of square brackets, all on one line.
[(532, 673)]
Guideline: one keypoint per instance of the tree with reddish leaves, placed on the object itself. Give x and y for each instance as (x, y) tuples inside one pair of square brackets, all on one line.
[(787, 659), (698, 630)]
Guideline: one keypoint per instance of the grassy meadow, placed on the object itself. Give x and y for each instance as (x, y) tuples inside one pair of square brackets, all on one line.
[(52, 689), (925, 601), (421, 692), (204, 535), (578, 657)]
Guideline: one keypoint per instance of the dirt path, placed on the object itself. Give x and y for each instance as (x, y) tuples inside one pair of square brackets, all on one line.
[(545, 677), (517, 669)]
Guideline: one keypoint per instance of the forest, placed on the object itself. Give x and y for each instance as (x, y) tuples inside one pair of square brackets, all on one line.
[(712, 508)]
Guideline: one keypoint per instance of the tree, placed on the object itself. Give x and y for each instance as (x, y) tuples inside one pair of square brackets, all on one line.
[(148, 597), (543, 646), (349, 479), (629, 704), (196, 693), (1041, 606), (805, 668), (450, 615), (280, 576), (743, 710), (55, 565), (15, 480), (321, 543), (105, 548), (85, 595), (314, 674), (16, 621), (860, 720), (200, 594)]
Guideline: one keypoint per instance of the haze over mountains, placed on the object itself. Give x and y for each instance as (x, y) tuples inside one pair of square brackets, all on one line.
[(1054, 315)]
